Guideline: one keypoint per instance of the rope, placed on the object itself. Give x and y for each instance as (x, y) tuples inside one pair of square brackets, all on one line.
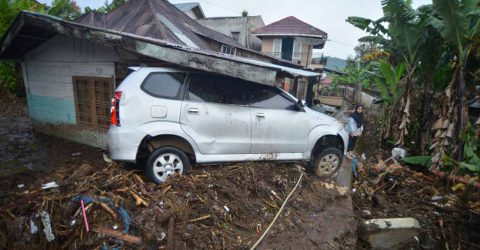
[(278, 213)]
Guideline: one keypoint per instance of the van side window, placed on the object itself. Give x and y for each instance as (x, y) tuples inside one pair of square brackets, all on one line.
[(260, 96), (216, 89), (164, 85)]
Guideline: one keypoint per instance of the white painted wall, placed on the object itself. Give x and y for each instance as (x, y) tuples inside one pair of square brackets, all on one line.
[(48, 72), (50, 67)]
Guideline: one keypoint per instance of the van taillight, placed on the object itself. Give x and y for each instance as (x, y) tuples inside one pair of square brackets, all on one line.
[(115, 112)]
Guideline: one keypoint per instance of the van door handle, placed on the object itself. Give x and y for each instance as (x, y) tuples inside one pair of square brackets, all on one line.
[(193, 111), (260, 115)]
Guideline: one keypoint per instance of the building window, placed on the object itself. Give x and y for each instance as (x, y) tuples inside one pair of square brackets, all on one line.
[(236, 35), (297, 50), (277, 47), (93, 97), (229, 50)]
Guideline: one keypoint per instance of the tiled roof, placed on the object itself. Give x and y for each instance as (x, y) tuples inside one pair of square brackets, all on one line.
[(290, 26)]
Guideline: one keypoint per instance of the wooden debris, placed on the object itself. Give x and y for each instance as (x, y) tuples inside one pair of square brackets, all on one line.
[(170, 233), (141, 183), (118, 235), (108, 209), (138, 199), (166, 189), (198, 219)]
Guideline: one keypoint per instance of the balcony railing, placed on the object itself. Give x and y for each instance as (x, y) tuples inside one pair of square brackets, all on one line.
[(296, 58)]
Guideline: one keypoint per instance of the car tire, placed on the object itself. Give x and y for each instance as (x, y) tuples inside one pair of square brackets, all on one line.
[(164, 162), (327, 162)]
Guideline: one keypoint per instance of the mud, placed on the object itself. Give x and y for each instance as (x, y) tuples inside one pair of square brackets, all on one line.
[(24, 151), (214, 207)]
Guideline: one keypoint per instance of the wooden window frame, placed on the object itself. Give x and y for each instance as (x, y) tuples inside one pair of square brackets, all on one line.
[(226, 49), (93, 101)]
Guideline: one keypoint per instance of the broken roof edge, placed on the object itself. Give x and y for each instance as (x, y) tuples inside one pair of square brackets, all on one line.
[(115, 37)]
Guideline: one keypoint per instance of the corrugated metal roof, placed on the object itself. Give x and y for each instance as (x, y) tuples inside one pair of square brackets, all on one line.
[(290, 26), (186, 6), (157, 19)]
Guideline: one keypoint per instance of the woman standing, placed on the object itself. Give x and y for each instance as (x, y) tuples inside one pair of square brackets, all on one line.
[(354, 129)]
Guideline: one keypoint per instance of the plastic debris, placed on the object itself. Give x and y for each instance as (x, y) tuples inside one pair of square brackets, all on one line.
[(20, 186), (364, 157), (76, 154), (367, 212), (354, 166), (49, 185), (162, 236), (106, 158), (121, 211), (47, 226), (33, 227), (399, 153), (115, 227), (226, 209), (85, 220), (437, 198)]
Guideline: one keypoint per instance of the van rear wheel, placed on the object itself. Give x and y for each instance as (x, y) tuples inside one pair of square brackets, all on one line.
[(327, 162), (164, 162)]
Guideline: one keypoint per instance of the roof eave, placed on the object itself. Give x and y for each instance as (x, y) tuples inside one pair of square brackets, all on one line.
[(291, 34)]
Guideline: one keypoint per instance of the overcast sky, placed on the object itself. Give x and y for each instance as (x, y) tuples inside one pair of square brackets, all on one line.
[(328, 16)]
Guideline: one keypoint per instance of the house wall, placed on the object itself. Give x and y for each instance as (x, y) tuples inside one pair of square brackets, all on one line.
[(48, 72), (306, 54), (267, 48), (267, 45), (244, 25)]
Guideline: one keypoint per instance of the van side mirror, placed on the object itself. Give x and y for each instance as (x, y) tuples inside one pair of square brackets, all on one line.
[(300, 105)]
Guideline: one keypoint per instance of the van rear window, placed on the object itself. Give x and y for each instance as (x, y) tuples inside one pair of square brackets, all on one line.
[(164, 85)]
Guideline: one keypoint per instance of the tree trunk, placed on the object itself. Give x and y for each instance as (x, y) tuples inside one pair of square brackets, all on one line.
[(462, 112), (358, 94)]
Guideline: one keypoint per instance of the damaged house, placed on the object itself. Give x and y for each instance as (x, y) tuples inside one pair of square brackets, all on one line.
[(71, 69)]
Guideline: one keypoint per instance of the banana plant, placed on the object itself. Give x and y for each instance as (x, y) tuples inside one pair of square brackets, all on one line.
[(387, 80), (459, 24)]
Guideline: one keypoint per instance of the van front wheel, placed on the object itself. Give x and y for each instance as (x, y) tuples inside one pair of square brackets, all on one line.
[(327, 162), (164, 162)]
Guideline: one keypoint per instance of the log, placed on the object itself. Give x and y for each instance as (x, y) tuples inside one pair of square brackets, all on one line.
[(118, 235), (171, 239)]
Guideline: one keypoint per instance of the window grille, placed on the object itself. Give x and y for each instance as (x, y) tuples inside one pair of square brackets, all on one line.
[(93, 97)]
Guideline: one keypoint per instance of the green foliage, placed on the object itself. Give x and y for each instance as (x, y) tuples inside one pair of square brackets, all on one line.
[(471, 151), (421, 160), (458, 23), (110, 6), (66, 9), (7, 76), (8, 11), (355, 73), (387, 80)]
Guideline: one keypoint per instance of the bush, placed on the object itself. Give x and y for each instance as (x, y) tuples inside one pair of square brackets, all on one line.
[(7, 76)]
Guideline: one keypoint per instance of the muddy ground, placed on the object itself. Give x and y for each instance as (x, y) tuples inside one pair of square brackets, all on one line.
[(214, 207), (449, 219)]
